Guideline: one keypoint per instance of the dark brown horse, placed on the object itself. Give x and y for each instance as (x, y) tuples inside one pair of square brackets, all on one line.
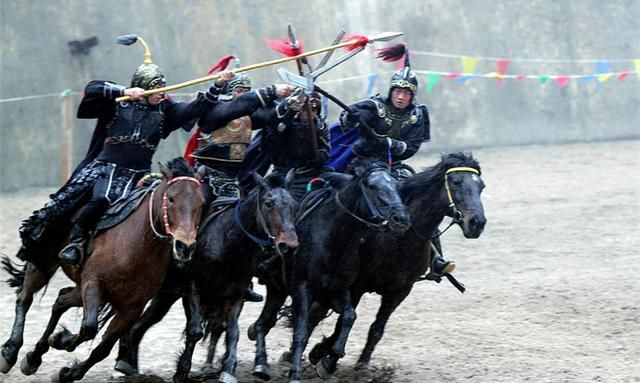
[(126, 268), (392, 263)]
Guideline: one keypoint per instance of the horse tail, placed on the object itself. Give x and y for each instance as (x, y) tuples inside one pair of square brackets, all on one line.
[(16, 272)]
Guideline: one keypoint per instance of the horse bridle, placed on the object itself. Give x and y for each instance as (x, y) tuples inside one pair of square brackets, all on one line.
[(455, 213), (372, 207), (165, 207), (262, 222)]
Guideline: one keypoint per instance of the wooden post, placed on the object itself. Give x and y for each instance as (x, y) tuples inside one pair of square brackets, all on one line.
[(66, 154)]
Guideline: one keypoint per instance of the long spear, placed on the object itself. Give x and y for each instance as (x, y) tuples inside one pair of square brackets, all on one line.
[(352, 43)]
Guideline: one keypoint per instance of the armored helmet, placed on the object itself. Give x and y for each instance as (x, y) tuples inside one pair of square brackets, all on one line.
[(148, 75), (405, 78)]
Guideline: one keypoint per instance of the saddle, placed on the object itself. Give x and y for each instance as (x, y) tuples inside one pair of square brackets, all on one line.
[(119, 211)]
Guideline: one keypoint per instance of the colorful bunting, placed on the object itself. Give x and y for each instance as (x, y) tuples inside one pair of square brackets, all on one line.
[(432, 80), (562, 81), (469, 64), (636, 63)]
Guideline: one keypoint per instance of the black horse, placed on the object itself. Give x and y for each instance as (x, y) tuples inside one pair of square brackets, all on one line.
[(327, 261), (223, 267), (393, 263)]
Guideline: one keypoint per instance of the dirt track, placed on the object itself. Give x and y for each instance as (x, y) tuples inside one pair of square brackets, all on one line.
[(553, 288)]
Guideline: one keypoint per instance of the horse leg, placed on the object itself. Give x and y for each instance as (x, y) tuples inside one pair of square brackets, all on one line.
[(316, 314), (261, 327), (301, 303), (127, 359), (324, 347), (388, 305), (328, 364), (92, 300), (34, 280), (194, 332), (117, 327), (215, 333), (230, 361), (67, 297)]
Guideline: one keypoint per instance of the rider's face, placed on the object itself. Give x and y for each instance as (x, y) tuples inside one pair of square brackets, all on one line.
[(401, 98), (156, 98)]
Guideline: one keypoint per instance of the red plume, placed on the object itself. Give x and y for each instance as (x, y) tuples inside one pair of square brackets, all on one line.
[(392, 53), (222, 64), (284, 46), (360, 41), (192, 145)]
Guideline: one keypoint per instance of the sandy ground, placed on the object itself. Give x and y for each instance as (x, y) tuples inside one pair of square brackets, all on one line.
[(553, 285)]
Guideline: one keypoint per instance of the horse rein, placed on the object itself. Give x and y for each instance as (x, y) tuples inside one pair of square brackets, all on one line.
[(370, 204), (456, 214), (165, 207), (262, 222)]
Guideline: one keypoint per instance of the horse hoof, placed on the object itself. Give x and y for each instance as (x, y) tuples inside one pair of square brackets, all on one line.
[(286, 357), (361, 366), (251, 331), (124, 367), (207, 369), (226, 377), (261, 371), (5, 366), (322, 371), (27, 368), (316, 354)]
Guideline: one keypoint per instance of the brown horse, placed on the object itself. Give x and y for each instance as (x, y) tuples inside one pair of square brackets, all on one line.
[(127, 266)]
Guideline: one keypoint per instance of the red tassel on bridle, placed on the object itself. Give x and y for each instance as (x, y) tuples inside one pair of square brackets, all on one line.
[(222, 64)]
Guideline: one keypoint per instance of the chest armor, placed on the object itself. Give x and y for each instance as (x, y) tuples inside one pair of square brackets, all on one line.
[(237, 134), (395, 125), (136, 123)]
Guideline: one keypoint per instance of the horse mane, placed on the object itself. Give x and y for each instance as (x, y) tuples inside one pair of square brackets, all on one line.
[(180, 167), (414, 187)]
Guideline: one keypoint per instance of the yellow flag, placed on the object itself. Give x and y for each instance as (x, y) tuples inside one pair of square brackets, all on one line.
[(604, 77), (636, 62), (469, 64)]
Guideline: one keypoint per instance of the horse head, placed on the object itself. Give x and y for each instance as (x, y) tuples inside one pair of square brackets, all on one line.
[(182, 203), (380, 200), (276, 214), (463, 186)]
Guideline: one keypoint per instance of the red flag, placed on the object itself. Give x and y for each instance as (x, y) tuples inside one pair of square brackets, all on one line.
[(192, 145)]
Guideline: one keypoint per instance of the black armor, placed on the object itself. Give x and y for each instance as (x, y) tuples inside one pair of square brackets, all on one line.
[(398, 134), (124, 140)]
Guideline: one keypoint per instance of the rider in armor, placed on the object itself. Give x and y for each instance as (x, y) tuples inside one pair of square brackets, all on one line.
[(296, 137), (220, 142), (392, 129), (125, 138)]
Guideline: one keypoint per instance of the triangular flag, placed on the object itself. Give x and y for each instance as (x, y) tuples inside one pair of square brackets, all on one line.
[(604, 77), (453, 76), (587, 78), (562, 81), (520, 77), (636, 63), (469, 64), (602, 67), (501, 69), (432, 80), (372, 82), (544, 79), (621, 76)]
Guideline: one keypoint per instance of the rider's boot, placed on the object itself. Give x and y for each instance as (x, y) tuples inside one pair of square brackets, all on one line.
[(73, 253), (439, 266), (252, 296)]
